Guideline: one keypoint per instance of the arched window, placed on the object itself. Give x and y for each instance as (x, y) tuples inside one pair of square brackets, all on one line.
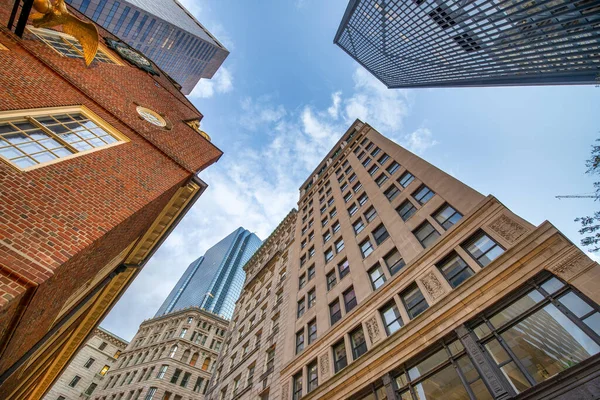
[(194, 359), (206, 364), (185, 356), (173, 351)]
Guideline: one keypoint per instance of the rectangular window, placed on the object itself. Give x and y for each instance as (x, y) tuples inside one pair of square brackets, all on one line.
[(162, 371), (413, 300), (331, 280), (311, 272), (312, 331), (366, 162), (348, 170), (364, 142), (391, 192), (366, 248), (344, 268), (151, 393), (324, 221), (377, 276), (335, 227), (36, 138), (423, 194), (74, 381), (391, 318), (323, 209), (301, 281), (406, 210), (270, 359), (339, 245), (333, 213), (483, 249), (185, 379), (426, 234), (340, 360), (455, 269), (299, 341), (380, 234), (347, 197), (358, 226), (353, 209), (326, 237), (359, 345), (393, 260), (406, 179), (89, 363), (175, 376), (352, 178), (381, 179), (335, 312), (382, 160), (312, 298), (311, 252), (393, 167), (362, 199), (183, 332), (344, 187), (313, 376), (349, 299), (328, 255), (303, 260), (373, 169), (447, 216), (375, 152), (301, 306), (198, 385), (370, 214), (361, 155), (297, 386), (356, 188)]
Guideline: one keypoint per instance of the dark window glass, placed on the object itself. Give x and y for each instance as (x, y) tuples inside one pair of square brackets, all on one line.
[(406, 179), (373, 169), (394, 262), (377, 276), (455, 269), (381, 179), (312, 298), (483, 249), (375, 152), (359, 345), (369, 147), (352, 178), (175, 376), (301, 281), (297, 386), (312, 331), (358, 226), (344, 187), (413, 300), (311, 272), (331, 280), (406, 210), (344, 268), (339, 245), (362, 199), (423, 194), (326, 237), (299, 341), (335, 312), (353, 209), (301, 307), (383, 159), (447, 216), (380, 234), (349, 299), (370, 214), (426, 234), (333, 213), (313, 376), (391, 317), (391, 192), (356, 188), (393, 167), (340, 359), (361, 155), (366, 162), (366, 248), (328, 255), (336, 227), (347, 197)]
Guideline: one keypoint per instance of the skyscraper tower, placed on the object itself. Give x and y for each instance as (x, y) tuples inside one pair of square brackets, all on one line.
[(165, 32), (449, 43), (214, 281)]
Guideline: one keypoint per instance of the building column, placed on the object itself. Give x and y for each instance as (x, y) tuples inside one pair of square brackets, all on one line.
[(388, 382), (498, 387)]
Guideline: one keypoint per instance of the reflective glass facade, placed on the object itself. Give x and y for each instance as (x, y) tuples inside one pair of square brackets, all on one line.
[(164, 31), (214, 281), (452, 43)]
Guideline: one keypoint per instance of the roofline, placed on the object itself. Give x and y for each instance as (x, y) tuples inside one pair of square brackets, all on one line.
[(112, 334)]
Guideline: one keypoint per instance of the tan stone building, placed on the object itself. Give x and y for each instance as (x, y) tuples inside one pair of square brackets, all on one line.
[(404, 283), (171, 357), (87, 370)]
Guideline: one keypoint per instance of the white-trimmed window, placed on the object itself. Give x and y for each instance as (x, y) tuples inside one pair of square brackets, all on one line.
[(68, 46), (31, 138)]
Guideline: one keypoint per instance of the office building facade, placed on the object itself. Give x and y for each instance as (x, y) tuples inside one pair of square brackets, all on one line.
[(165, 32), (419, 43), (97, 166), (171, 357), (214, 281), (87, 370), (402, 282)]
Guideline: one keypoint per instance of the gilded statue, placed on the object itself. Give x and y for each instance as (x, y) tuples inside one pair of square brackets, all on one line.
[(50, 15)]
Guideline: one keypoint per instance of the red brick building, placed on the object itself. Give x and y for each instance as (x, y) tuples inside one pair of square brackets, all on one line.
[(97, 165)]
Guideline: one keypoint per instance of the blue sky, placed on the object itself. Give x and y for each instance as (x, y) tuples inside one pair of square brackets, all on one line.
[(285, 95)]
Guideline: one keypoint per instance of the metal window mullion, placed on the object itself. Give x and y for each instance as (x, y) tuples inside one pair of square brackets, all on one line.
[(578, 322), (52, 134), (461, 376), (71, 45), (515, 359)]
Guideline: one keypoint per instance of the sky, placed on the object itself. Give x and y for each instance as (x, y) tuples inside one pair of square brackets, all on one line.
[(286, 94)]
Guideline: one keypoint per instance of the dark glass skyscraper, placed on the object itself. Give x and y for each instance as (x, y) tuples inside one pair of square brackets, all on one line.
[(214, 281), (452, 43), (165, 32)]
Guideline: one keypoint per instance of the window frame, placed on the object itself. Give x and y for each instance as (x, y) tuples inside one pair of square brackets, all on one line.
[(433, 232)]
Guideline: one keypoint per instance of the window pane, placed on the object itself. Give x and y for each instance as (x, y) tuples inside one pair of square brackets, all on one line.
[(516, 308), (445, 384), (456, 270), (575, 304), (548, 342), (429, 363), (391, 318), (552, 285)]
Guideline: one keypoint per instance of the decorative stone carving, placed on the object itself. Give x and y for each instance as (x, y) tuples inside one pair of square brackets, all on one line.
[(285, 391), (373, 330), (507, 228), (571, 266), (324, 366), (433, 285)]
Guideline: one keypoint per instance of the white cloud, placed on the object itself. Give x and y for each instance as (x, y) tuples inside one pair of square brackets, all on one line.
[(221, 82), (255, 185)]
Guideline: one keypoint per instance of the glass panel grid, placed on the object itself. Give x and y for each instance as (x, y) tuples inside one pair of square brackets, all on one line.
[(67, 45)]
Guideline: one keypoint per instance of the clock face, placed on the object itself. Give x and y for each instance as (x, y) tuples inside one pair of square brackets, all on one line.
[(134, 56)]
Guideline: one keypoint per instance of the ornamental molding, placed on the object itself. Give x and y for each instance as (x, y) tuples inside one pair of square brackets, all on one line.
[(373, 330), (324, 366), (571, 266), (432, 285), (508, 228), (285, 391)]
